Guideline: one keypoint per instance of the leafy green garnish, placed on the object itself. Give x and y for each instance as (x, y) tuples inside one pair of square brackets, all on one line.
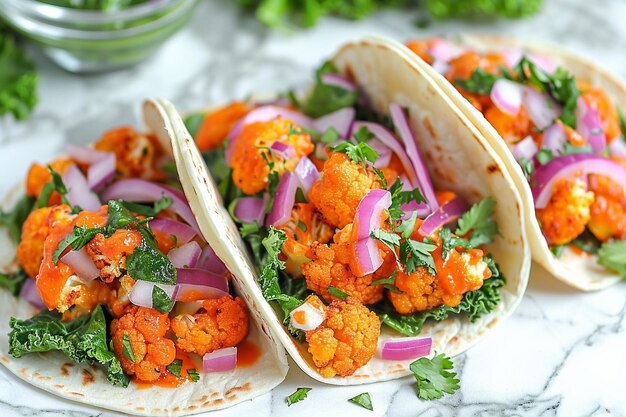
[(363, 135), (147, 211), (18, 79), (15, 218), (175, 367), (83, 340), (528, 167), (400, 197), (389, 282), (160, 300), (544, 156), (193, 123), (127, 349), (434, 378), (414, 253), (480, 82), (193, 374), (325, 98), (299, 395), (587, 242), (56, 184), (364, 400), (149, 264), (477, 221), (80, 236), (360, 153), (337, 292), (13, 282), (613, 256)]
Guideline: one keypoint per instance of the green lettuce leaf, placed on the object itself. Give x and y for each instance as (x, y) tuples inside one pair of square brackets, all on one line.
[(18, 79), (83, 340)]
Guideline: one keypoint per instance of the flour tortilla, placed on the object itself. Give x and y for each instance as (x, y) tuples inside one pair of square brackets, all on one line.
[(458, 158), (55, 373), (582, 272)]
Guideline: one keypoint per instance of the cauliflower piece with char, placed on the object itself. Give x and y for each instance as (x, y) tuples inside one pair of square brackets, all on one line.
[(567, 213), (143, 330), (608, 211), (223, 323), (346, 341), (340, 188), (38, 176), (330, 266), (249, 164)]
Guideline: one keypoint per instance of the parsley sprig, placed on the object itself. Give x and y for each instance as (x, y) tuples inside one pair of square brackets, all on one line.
[(434, 377)]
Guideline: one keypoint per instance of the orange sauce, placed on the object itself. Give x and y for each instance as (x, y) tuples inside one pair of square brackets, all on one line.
[(247, 354), (52, 278), (168, 380), (191, 295), (453, 275)]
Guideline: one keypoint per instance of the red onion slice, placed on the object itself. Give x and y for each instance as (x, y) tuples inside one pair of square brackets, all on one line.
[(507, 96), (445, 51), (572, 166), (542, 109), (445, 214), (250, 209), (221, 360), (337, 80), (141, 191), (389, 140), (209, 261), (283, 200), (512, 56), (401, 122), (404, 349), (78, 191), (284, 150), (83, 154), (81, 264), (185, 256), (306, 317), (307, 174), (181, 231), (30, 293), (198, 284), (589, 125), (367, 256), (141, 293), (264, 114), (440, 66), (369, 212), (101, 172), (554, 138), (543, 62), (525, 149), (341, 120)]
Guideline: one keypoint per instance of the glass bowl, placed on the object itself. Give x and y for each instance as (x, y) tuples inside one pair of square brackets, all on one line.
[(92, 41)]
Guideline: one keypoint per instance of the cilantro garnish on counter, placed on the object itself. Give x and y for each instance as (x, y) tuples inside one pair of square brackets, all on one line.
[(434, 378), (299, 395)]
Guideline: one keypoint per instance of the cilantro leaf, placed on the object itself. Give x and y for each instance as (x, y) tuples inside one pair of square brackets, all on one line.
[(389, 282), (613, 256), (193, 374), (414, 253), (478, 220), (390, 239), (299, 395), (400, 197), (83, 340), (147, 263), (363, 135), (13, 282), (544, 156), (80, 236), (175, 367), (18, 79), (326, 98), (364, 400), (127, 349), (160, 300), (360, 153), (147, 211), (434, 378), (193, 123), (15, 218), (337, 292), (480, 82)]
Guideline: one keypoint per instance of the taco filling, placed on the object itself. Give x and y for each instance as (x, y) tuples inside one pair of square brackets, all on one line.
[(566, 134), (111, 253), (339, 211)]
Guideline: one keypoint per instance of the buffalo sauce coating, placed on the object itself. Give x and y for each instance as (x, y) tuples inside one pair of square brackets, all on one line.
[(455, 274)]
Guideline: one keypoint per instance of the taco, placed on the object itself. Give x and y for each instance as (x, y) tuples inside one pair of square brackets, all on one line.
[(111, 295), (376, 229), (555, 120)]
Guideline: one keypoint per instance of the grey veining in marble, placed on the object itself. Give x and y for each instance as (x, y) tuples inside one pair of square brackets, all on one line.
[(563, 353)]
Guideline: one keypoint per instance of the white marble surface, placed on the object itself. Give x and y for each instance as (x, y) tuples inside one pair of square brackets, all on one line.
[(562, 353)]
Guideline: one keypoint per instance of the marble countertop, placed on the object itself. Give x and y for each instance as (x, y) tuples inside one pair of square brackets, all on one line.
[(561, 353)]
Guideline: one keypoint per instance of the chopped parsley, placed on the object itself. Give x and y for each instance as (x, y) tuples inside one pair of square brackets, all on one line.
[(360, 153), (364, 400), (175, 367), (161, 301), (434, 378), (400, 197), (388, 283), (127, 349), (299, 395), (193, 374), (478, 222), (55, 184), (337, 292)]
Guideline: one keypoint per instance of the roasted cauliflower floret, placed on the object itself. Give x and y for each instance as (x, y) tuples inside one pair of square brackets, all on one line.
[(567, 213), (109, 253), (303, 228), (137, 155), (347, 339), (143, 330), (34, 232), (608, 211), (217, 124), (599, 99), (251, 155), (330, 266), (38, 176), (340, 188), (223, 323), (512, 128)]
